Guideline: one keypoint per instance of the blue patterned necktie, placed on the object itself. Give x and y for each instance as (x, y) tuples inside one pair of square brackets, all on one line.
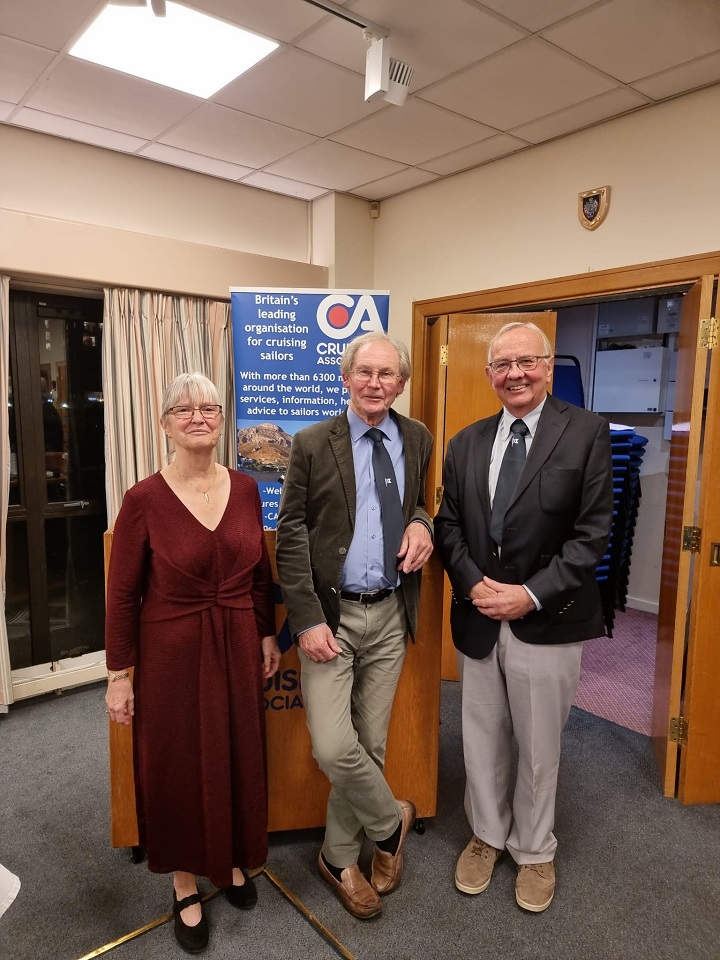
[(393, 523), (510, 470)]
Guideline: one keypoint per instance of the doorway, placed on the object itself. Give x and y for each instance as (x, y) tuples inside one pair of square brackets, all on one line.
[(56, 514), (686, 711)]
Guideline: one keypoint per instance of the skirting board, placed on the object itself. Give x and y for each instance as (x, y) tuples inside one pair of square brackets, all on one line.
[(649, 606)]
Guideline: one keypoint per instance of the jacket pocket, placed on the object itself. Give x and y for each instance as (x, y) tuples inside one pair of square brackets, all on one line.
[(560, 488)]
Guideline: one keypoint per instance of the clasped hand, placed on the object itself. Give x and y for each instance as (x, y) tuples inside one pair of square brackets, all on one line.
[(501, 601)]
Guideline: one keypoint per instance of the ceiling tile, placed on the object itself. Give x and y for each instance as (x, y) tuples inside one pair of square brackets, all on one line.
[(193, 161), (580, 115), (630, 39), (411, 134), (397, 183), (534, 15), (334, 166), (226, 134), (435, 38), (106, 98), (47, 23), (280, 20), (291, 188), (499, 146), (527, 81), (300, 91), (5, 110), (689, 76), (74, 130), (20, 66)]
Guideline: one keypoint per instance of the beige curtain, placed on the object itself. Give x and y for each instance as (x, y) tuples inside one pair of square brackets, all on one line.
[(149, 338), (5, 678)]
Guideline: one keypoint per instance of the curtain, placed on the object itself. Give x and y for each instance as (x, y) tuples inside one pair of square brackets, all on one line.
[(148, 339), (5, 678)]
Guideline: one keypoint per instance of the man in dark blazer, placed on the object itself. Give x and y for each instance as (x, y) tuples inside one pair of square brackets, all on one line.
[(524, 600), (350, 608)]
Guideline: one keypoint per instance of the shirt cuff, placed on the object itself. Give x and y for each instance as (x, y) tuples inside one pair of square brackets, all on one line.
[(538, 605)]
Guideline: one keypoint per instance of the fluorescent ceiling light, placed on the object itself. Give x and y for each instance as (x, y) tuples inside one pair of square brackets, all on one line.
[(186, 49)]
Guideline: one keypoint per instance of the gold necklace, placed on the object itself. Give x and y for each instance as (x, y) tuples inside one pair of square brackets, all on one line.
[(203, 492)]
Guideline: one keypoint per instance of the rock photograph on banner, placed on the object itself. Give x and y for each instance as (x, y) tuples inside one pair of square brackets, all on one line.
[(287, 347)]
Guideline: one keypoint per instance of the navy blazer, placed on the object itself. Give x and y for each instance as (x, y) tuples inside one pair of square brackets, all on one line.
[(557, 527)]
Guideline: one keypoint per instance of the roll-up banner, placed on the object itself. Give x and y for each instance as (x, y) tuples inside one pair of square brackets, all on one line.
[(287, 346)]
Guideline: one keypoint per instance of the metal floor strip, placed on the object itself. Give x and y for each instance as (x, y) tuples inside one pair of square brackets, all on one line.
[(310, 917), (138, 933), (277, 883)]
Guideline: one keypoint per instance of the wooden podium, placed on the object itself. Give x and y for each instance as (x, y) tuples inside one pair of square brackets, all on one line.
[(297, 790)]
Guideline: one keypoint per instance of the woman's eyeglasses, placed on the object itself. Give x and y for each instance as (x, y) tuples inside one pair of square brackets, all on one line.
[(207, 410), (526, 364)]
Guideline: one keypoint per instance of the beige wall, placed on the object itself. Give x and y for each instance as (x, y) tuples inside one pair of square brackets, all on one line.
[(343, 237), (71, 210), (515, 220)]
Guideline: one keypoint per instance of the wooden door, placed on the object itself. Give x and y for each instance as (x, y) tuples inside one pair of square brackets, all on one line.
[(699, 755), (677, 564), (467, 397)]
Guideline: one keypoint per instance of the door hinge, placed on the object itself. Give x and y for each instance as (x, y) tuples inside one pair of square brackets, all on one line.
[(678, 730), (691, 539), (438, 495), (709, 333), (443, 355)]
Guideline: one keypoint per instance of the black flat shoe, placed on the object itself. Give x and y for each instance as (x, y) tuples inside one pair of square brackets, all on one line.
[(244, 897), (191, 939)]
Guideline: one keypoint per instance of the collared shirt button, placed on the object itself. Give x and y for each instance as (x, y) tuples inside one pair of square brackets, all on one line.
[(342, 551)]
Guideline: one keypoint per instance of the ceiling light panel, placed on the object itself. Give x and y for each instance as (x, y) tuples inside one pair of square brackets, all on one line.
[(186, 50)]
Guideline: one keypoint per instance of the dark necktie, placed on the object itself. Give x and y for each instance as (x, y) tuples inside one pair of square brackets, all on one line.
[(510, 470), (393, 523)]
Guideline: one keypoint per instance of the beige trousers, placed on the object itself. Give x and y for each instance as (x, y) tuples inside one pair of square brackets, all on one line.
[(348, 702), (525, 690)]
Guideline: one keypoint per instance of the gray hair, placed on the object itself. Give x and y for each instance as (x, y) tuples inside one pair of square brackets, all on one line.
[(192, 387), (514, 326), (347, 360)]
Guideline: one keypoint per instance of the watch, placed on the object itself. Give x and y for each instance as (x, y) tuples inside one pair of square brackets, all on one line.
[(122, 675)]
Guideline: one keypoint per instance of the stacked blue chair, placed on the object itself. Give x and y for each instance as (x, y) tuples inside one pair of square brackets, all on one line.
[(628, 447), (613, 572)]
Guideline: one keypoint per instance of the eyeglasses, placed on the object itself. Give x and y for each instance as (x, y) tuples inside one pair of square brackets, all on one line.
[(365, 375), (208, 411), (526, 364)]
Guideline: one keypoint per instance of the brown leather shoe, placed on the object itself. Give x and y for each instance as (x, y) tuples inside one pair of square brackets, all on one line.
[(356, 894), (387, 869)]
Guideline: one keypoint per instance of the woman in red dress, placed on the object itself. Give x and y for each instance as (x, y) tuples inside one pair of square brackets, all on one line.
[(190, 607)]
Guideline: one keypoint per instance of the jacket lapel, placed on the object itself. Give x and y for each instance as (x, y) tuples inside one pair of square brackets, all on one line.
[(411, 449), (551, 426), (481, 458), (341, 445)]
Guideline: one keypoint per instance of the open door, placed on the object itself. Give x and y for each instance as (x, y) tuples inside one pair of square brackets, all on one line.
[(467, 396), (678, 622), (699, 780)]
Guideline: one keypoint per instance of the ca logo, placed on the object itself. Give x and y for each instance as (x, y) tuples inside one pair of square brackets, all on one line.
[(339, 316)]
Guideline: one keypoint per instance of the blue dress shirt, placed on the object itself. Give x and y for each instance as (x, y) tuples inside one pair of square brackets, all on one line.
[(364, 567)]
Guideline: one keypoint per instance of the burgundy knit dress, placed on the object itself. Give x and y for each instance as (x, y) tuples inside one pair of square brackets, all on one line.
[(187, 607)]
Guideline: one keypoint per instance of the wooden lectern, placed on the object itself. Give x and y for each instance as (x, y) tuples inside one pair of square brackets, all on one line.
[(297, 790)]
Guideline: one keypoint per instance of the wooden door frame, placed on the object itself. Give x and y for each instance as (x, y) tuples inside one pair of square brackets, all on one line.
[(554, 293)]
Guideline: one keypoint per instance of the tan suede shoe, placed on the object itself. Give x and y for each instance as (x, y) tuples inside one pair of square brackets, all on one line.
[(475, 866), (355, 893), (535, 886), (387, 869)]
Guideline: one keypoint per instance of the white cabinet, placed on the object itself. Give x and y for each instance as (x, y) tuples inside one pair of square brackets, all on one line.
[(630, 381)]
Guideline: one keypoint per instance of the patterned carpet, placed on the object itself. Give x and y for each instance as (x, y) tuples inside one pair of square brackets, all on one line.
[(616, 678)]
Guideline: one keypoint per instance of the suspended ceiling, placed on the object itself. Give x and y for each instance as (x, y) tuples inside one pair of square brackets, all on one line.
[(491, 78)]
